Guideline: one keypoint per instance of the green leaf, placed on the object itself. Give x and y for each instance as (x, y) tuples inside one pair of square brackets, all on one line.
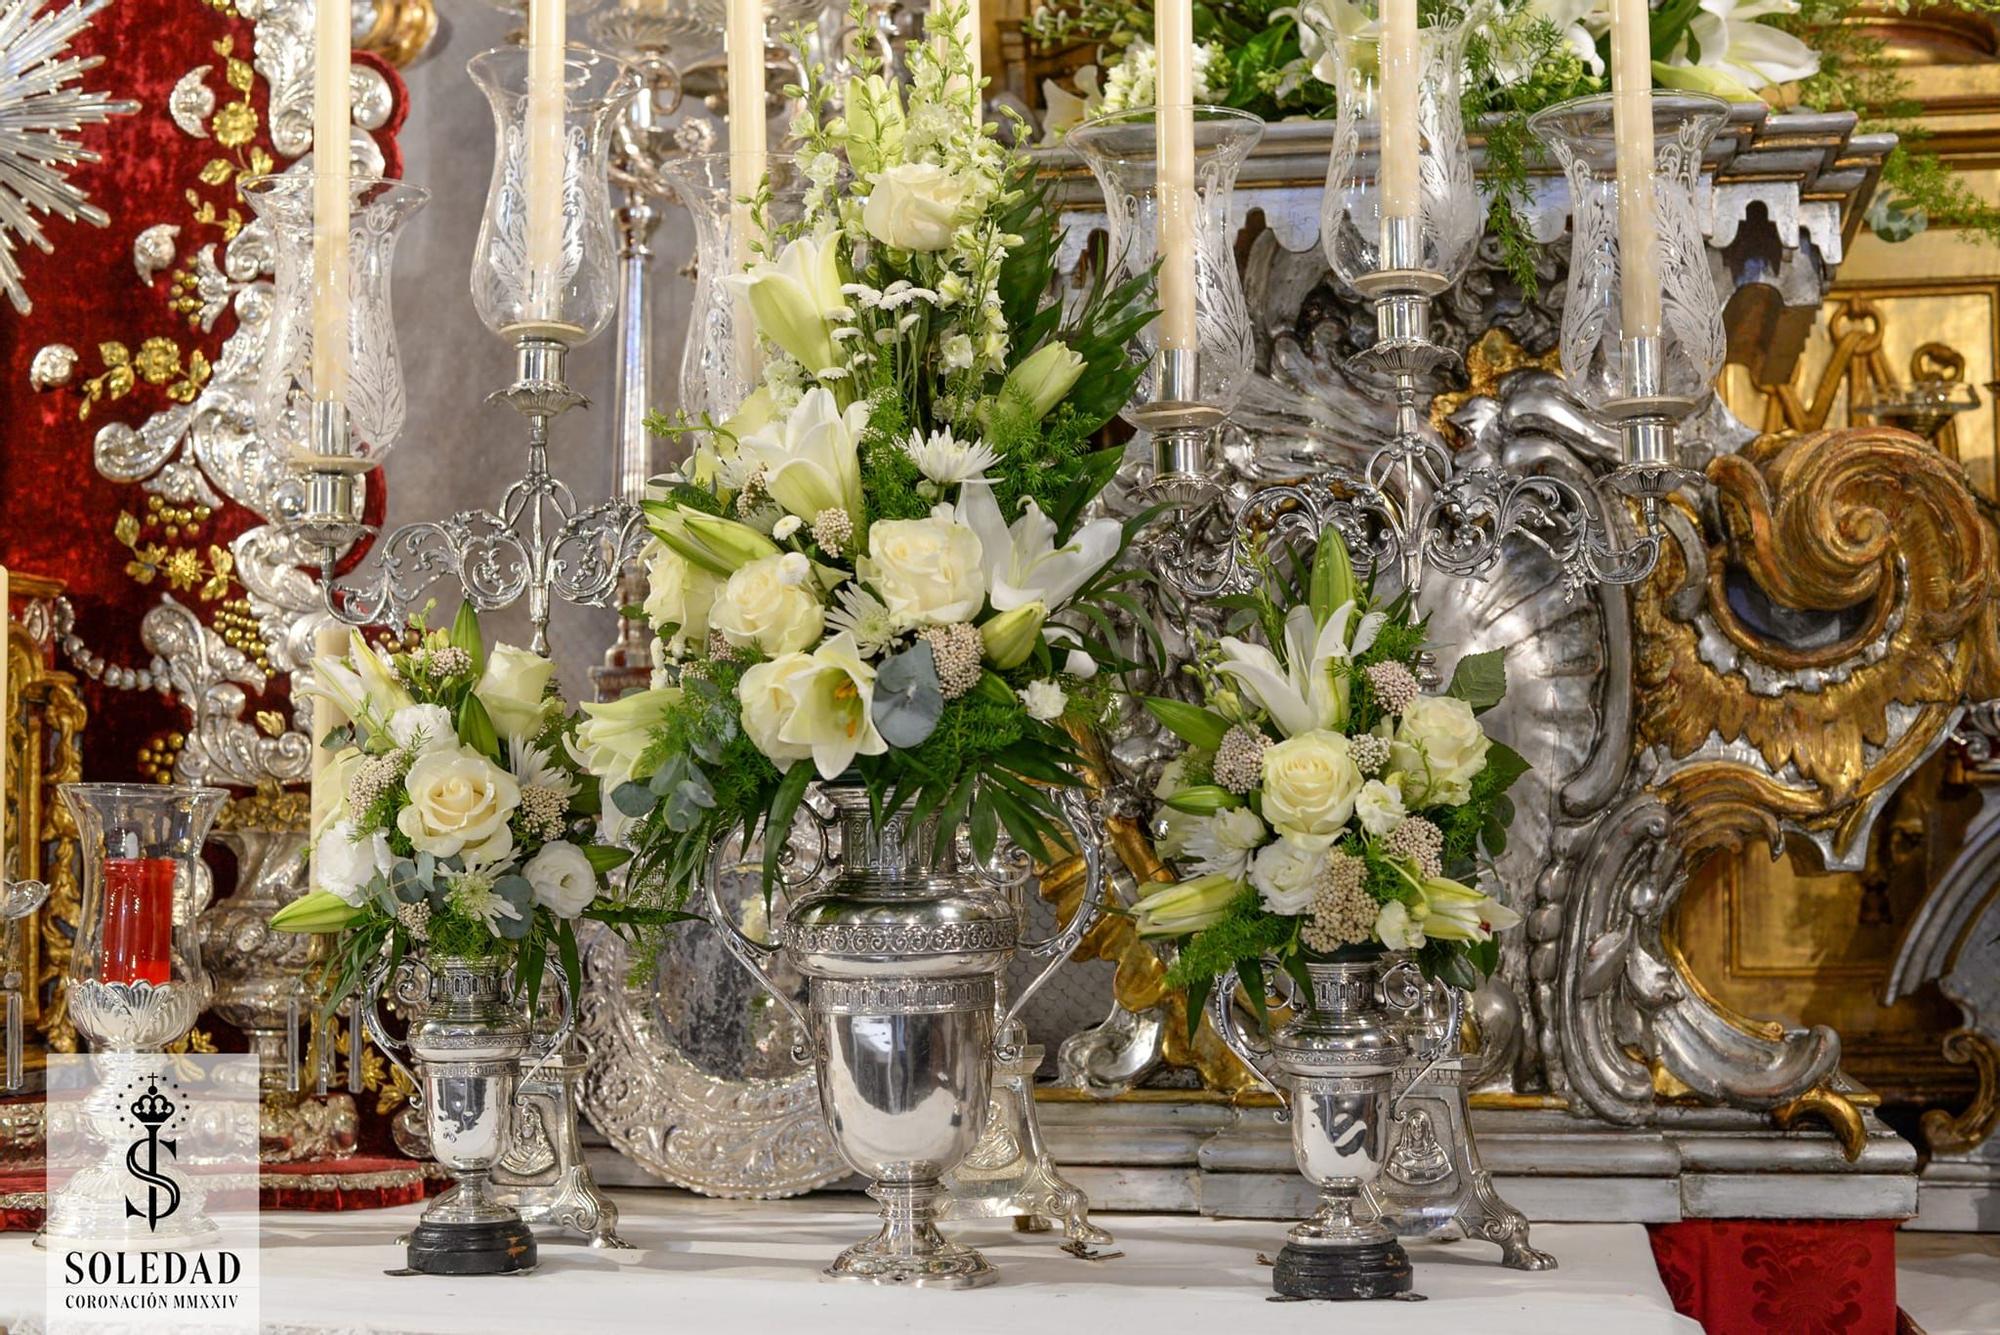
[(465, 634), (475, 728), (985, 830), (1191, 723), (1503, 766), (1197, 1002), (778, 824), (1480, 680), (1457, 970), (1251, 973), (572, 960), (604, 858), (1332, 576), (634, 799)]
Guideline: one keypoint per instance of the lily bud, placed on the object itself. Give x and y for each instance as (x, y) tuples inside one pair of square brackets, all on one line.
[(793, 297), (1012, 636), (872, 129), (1204, 799), (319, 911), (1044, 378), (720, 546), (1177, 910)]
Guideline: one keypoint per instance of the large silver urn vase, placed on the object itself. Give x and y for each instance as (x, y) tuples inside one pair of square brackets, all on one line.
[(467, 1037), (902, 950), (1334, 1069)]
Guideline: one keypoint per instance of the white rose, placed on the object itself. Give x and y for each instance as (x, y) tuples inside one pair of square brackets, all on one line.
[(926, 571), (759, 608), (765, 695), (421, 728), (459, 804), (1224, 845), (514, 688), (1044, 700), (1440, 748), (1379, 807), (914, 206), (563, 879), (1310, 783), (1286, 874), (344, 866), (679, 593)]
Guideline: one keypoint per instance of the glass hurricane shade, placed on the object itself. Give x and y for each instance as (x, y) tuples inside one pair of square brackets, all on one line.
[(714, 378), (141, 847), (1120, 152), (1450, 211), (377, 211), (574, 300), (1598, 360)]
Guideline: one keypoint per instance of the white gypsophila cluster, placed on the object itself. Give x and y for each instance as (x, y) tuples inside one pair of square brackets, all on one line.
[(374, 777), (1395, 686), (1343, 912), (832, 530), (544, 812), (416, 919)]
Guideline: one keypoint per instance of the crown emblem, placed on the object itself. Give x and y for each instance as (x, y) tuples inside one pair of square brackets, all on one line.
[(152, 1108)]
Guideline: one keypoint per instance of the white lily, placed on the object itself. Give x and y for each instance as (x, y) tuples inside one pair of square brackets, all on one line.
[(813, 456), (1737, 47), (833, 710), (1304, 692), (1023, 563), (796, 298)]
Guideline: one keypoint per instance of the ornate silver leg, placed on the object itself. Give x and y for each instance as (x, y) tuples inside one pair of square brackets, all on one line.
[(543, 1175), (1009, 1174)]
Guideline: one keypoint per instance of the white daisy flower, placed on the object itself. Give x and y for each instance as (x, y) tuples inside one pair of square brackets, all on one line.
[(865, 617), (947, 460), (532, 767)]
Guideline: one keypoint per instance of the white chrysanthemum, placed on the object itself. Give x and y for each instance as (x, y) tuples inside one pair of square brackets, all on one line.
[(947, 460), (1226, 843), (865, 617), (1044, 701)]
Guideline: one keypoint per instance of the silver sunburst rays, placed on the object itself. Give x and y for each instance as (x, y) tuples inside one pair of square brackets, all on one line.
[(43, 107)]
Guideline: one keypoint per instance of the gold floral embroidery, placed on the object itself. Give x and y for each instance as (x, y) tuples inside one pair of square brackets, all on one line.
[(158, 362), (210, 573)]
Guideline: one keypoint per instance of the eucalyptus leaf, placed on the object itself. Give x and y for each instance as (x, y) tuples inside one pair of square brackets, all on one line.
[(908, 699), (634, 799)]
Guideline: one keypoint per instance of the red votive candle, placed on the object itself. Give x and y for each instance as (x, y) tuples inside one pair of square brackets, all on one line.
[(138, 920)]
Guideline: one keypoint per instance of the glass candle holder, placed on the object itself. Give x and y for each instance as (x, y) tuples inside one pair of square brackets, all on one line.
[(546, 262), (1184, 392), (1656, 365), (374, 402), (715, 374), (135, 977), (1426, 216)]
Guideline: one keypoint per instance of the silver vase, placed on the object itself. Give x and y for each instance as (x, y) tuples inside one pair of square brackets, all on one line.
[(1334, 1067), (467, 1037), (903, 951)]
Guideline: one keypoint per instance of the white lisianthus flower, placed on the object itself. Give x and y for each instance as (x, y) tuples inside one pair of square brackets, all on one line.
[(767, 700), (679, 593), (460, 803), (1044, 700), (1310, 784), (1439, 748), (945, 460), (796, 297), (1023, 563), (1379, 807), (760, 608), (832, 712), (514, 689), (925, 571), (1286, 874), (421, 728), (914, 206), (344, 866), (812, 459), (1225, 844), (562, 877), (615, 734)]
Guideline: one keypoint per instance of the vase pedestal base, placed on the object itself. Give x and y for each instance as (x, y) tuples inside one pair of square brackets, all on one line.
[(1345, 1273), (909, 1252), (499, 1247)]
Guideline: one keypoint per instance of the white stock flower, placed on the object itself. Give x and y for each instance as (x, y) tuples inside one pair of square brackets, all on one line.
[(1044, 700), (1308, 690), (460, 803), (1286, 874), (1439, 748), (1379, 807), (513, 689), (1225, 844), (914, 206), (759, 607), (563, 879), (1310, 783), (812, 458), (1023, 563), (946, 460), (421, 728), (344, 866), (926, 571)]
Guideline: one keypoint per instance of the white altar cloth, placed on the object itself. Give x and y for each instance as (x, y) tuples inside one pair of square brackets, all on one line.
[(704, 1267)]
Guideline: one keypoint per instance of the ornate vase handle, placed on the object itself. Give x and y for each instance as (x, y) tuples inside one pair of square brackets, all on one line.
[(1084, 816), (753, 954), (407, 989), (1254, 1054), (1404, 976), (545, 1052)]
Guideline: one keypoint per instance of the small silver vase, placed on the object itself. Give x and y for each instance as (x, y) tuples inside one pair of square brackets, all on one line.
[(903, 951), (467, 1037), (1334, 1067)]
